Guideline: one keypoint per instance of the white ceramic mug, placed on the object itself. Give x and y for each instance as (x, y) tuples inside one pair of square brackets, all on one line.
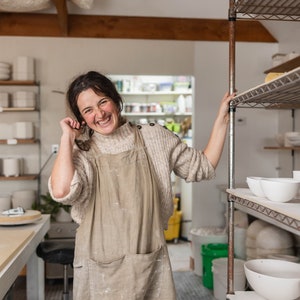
[(296, 175), (23, 130), (5, 202), (11, 167), (23, 198)]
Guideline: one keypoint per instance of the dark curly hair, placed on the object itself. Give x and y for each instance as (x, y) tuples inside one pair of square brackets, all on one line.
[(99, 84)]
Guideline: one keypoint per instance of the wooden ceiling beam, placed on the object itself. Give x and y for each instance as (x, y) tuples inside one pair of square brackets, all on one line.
[(123, 27), (62, 13)]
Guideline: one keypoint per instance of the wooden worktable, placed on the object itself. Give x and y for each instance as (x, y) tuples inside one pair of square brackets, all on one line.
[(25, 255)]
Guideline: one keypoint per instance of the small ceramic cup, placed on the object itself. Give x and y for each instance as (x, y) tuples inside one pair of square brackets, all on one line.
[(5, 202)]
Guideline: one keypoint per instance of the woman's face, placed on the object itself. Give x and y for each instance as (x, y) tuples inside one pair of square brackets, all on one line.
[(99, 112)]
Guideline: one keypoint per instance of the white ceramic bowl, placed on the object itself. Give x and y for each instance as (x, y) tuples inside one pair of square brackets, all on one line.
[(280, 189), (254, 186), (272, 237), (274, 279)]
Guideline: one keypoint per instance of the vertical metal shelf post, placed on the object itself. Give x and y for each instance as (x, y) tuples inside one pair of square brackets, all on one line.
[(231, 167)]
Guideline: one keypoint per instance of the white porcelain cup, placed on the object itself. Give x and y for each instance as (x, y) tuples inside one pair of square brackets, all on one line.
[(23, 130), (11, 167), (25, 203), (5, 202), (23, 198), (296, 175)]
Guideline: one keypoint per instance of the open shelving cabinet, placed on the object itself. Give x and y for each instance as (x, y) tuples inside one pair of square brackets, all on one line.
[(30, 178), (282, 91)]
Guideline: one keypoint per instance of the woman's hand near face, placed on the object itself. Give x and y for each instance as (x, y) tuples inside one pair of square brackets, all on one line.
[(63, 169), (70, 127)]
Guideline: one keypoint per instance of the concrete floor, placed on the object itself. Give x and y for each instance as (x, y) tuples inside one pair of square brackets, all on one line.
[(180, 254)]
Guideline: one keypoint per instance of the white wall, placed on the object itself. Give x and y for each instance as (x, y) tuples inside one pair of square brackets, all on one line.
[(211, 73), (59, 59)]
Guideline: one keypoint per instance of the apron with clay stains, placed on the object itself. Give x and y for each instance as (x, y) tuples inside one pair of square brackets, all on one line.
[(120, 250)]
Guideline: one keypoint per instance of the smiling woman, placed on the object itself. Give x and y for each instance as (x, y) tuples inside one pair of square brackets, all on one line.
[(119, 186)]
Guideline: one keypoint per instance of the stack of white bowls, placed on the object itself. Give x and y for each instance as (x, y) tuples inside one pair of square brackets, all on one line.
[(274, 189), (23, 99), (274, 240), (292, 139), (5, 71), (264, 240), (23, 198), (254, 228), (23, 68)]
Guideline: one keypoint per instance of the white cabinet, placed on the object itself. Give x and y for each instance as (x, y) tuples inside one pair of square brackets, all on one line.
[(167, 100), (26, 150)]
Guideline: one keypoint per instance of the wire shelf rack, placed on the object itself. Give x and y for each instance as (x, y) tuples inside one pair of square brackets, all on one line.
[(278, 93), (283, 10), (270, 215)]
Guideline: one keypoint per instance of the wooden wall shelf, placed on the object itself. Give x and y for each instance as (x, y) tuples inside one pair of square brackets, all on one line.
[(286, 66), (281, 148), (22, 177)]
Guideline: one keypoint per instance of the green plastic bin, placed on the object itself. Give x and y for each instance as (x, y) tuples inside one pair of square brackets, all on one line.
[(209, 253)]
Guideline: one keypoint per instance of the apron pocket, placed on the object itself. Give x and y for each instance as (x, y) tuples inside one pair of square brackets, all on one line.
[(134, 276), (105, 279)]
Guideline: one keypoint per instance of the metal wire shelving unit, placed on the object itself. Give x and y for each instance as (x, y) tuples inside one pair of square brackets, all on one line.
[(282, 10), (280, 92)]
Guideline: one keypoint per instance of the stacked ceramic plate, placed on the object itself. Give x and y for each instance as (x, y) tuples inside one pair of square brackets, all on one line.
[(23, 68), (272, 240), (292, 139), (23, 99), (5, 71), (254, 228)]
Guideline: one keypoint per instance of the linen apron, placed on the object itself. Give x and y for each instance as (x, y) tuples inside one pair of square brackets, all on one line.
[(120, 250)]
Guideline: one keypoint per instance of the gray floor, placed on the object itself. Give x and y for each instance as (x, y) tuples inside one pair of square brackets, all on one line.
[(188, 285), (180, 254)]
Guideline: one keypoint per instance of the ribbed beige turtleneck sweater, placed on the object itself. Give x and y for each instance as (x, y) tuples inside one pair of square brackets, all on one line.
[(166, 151)]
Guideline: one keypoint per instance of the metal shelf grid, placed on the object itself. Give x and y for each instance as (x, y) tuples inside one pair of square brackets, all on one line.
[(280, 91), (283, 10), (265, 213)]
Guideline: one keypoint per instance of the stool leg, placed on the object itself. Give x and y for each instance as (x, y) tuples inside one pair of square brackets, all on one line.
[(66, 283)]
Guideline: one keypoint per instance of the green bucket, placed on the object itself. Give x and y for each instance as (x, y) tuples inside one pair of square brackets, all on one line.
[(209, 253)]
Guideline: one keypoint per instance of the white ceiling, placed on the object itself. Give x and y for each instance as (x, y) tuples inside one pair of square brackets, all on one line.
[(211, 9), (157, 8)]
